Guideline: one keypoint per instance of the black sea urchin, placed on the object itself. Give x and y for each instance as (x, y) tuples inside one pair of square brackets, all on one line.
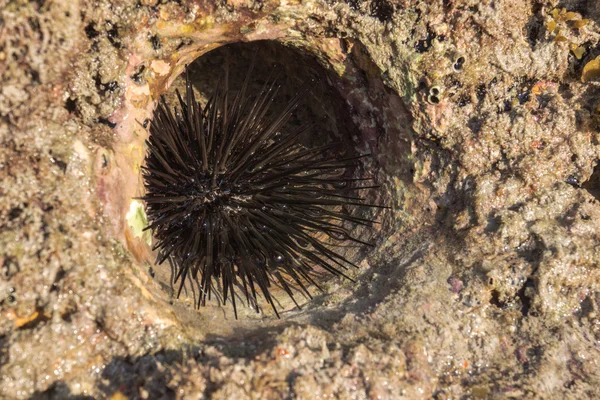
[(235, 201)]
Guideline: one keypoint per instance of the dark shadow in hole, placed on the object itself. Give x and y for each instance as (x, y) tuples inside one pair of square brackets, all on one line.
[(323, 105), (390, 267)]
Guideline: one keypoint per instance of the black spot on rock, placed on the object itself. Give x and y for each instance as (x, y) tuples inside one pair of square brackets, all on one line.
[(90, 31), (382, 10), (480, 92), (71, 105), (475, 124), (354, 4), (572, 180), (424, 45), (15, 213), (155, 40), (137, 76), (113, 34), (106, 122)]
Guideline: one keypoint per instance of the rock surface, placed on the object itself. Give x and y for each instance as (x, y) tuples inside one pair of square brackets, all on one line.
[(485, 280)]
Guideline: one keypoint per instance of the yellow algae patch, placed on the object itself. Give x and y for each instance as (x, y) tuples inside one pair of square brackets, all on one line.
[(564, 15), (581, 23), (577, 50), (565, 26), (591, 70)]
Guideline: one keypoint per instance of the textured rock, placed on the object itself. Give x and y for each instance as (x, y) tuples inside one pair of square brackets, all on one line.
[(485, 279)]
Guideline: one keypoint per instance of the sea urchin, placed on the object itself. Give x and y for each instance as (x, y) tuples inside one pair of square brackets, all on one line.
[(236, 202)]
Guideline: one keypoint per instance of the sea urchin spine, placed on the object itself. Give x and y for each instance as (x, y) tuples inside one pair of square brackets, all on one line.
[(235, 201)]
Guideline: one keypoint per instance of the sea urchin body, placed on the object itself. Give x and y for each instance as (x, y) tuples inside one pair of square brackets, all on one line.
[(237, 203)]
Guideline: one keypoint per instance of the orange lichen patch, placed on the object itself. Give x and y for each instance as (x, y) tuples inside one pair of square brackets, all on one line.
[(281, 352), (141, 23), (542, 86), (37, 316), (537, 145), (591, 70), (118, 396)]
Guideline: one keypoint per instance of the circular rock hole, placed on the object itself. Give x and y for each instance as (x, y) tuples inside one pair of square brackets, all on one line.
[(324, 109)]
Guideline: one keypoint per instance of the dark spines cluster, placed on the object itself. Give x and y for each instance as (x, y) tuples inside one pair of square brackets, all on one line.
[(237, 204)]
